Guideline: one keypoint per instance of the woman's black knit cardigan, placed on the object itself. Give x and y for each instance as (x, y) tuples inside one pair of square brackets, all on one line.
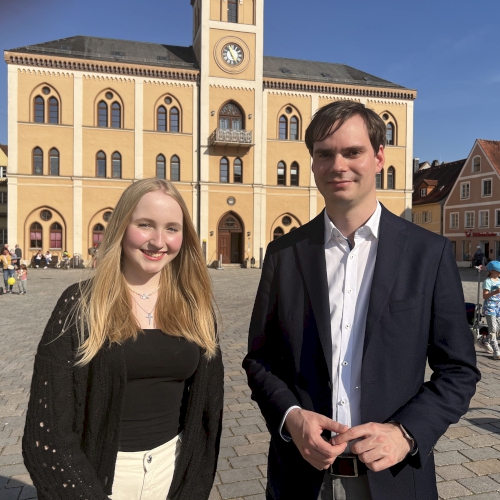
[(72, 428)]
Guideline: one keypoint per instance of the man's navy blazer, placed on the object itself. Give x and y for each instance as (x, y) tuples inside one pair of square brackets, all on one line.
[(416, 314)]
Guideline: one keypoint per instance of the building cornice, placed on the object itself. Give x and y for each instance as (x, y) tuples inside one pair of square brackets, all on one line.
[(349, 90), (100, 67)]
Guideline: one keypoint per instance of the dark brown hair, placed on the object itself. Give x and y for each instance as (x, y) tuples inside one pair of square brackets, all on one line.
[(322, 123)]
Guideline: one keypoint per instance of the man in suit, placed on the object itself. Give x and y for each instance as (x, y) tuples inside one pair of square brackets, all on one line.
[(350, 308)]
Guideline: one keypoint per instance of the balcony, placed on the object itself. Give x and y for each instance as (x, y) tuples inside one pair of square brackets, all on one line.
[(228, 137)]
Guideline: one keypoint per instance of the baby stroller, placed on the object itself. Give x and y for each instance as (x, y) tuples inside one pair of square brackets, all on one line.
[(475, 315)]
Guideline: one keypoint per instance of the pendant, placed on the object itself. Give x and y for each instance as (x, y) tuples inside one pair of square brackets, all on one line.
[(150, 317), (143, 296)]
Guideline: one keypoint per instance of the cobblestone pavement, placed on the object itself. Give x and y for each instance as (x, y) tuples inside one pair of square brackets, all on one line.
[(467, 457)]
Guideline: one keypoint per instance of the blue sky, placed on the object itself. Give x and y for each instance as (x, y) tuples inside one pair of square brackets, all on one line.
[(445, 49)]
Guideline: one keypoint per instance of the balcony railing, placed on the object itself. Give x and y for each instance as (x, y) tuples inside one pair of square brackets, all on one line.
[(228, 137)]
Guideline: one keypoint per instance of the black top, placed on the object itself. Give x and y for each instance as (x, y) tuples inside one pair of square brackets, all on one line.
[(158, 366)]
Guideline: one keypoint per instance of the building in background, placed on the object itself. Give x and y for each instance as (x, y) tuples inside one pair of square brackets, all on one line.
[(472, 210), (432, 184), (88, 116), (3, 194)]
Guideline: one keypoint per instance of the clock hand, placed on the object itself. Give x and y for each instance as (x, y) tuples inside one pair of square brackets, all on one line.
[(233, 53)]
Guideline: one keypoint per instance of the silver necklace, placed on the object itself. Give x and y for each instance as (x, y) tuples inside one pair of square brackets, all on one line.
[(144, 296), (149, 315)]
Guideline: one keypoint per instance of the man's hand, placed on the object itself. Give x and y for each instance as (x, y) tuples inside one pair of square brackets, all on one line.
[(380, 446), (306, 427)]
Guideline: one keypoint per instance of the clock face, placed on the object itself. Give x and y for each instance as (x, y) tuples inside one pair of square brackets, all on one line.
[(232, 54)]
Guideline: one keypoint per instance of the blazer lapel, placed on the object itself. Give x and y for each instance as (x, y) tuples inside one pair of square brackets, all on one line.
[(392, 240), (311, 253)]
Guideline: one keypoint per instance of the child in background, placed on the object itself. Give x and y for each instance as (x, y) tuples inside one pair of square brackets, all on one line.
[(22, 275), (491, 306)]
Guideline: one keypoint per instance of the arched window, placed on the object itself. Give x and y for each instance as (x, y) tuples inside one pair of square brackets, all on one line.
[(281, 174), (175, 168), (53, 110), (391, 178), (283, 127), (277, 233), (476, 164), (294, 128), (97, 234), (100, 164), (39, 109), (161, 119), (160, 167), (389, 135), (224, 170), (56, 235), (37, 161), (230, 117), (36, 235), (117, 165), (294, 174), (116, 115), (232, 11), (174, 119), (238, 171), (103, 114), (379, 180), (54, 161)]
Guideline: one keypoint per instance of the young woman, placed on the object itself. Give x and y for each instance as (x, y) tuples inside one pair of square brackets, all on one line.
[(127, 391)]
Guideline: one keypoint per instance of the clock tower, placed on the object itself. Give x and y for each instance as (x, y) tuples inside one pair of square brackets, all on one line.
[(228, 43)]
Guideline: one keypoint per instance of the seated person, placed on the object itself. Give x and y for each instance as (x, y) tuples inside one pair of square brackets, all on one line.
[(48, 259), (38, 259)]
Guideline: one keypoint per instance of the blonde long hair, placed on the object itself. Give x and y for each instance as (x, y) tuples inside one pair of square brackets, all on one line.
[(184, 307)]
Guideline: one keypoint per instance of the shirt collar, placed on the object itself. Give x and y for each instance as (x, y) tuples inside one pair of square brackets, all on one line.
[(372, 226)]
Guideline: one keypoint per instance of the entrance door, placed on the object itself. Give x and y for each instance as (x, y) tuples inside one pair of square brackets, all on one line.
[(487, 250), (235, 248), (230, 239), (224, 246)]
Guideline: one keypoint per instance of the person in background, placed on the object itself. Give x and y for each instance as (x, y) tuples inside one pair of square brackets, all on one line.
[(491, 308), (19, 253), (8, 269), (129, 369), (478, 258), (13, 259), (48, 259), (38, 259), (22, 278)]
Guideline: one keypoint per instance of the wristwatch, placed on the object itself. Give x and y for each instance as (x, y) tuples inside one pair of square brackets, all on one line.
[(406, 434)]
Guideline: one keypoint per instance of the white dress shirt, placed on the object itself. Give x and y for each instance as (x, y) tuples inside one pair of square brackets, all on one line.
[(349, 275)]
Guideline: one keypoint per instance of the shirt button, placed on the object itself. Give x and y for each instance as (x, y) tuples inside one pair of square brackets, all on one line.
[(350, 290), (351, 257), (344, 363), (346, 327), (150, 459), (342, 402)]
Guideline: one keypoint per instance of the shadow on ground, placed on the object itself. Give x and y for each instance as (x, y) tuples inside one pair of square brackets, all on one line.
[(12, 489)]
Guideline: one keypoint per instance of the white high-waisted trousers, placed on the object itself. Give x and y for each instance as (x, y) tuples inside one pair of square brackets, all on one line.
[(146, 475)]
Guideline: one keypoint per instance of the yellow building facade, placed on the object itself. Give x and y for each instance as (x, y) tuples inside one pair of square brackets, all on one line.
[(88, 116)]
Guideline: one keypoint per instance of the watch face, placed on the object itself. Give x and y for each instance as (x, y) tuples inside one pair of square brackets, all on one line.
[(232, 54)]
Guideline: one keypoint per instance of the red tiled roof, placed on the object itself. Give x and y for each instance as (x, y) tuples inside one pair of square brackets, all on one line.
[(442, 176), (492, 151)]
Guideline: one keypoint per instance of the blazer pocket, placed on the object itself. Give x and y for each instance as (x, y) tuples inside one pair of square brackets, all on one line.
[(412, 302)]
